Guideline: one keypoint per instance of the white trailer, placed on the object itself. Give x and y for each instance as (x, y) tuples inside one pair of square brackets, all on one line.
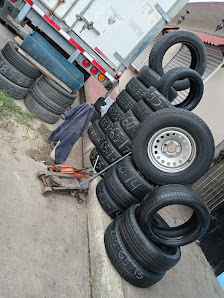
[(101, 37)]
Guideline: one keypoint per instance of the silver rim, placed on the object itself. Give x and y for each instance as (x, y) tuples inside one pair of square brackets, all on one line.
[(171, 149)]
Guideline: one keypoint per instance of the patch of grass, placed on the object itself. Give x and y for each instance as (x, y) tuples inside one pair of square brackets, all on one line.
[(9, 108), (44, 131)]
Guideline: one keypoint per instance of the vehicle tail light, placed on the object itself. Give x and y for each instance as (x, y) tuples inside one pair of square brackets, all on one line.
[(86, 63), (94, 70), (101, 77)]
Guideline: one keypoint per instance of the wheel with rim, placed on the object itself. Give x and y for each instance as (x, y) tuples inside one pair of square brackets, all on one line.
[(173, 146)]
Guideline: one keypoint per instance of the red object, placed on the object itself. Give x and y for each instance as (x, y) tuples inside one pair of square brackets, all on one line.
[(86, 63), (51, 22), (94, 70), (79, 174)]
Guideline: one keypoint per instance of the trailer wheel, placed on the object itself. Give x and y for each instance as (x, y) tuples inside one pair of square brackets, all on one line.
[(12, 89)]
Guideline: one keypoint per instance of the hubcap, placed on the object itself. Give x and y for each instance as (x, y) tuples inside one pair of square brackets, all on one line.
[(171, 149)]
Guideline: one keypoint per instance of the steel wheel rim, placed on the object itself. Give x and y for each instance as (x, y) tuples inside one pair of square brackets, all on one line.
[(171, 149)]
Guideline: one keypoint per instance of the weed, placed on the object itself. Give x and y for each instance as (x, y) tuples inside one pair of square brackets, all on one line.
[(44, 131)]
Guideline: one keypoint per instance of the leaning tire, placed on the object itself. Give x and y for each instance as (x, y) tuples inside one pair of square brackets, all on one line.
[(106, 202), (188, 162), (106, 123), (142, 110), (143, 249), (13, 75), (115, 112), (123, 262), (95, 133), (155, 100), (108, 151), (132, 180), (196, 86), (101, 162), (61, 90), (125, 101), (39, 111), (120, 139), (12, 89), (189, 39), (130, 123), (184, 234), (99, 103), (15, 59), (95, 117), (135, 88)]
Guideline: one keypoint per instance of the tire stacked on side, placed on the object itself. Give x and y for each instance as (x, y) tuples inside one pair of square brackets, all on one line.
[(48, 100), (17, 75)]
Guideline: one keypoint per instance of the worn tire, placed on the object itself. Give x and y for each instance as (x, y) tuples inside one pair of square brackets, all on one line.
[(95, 117), (99, 103), (151, 79), (132, 179), (155, 100), (142, 110), (106, 202), (120, 139), (167, 195), (106, 123), (117, 190), (189, 39), (188, 123), (135, 88), (149, 255), (115, 112), (123, 262), (125, 101), (95, 133), (61, 90), (108, 151), (39, 111), (101, 163), (129, 123), (12, 89), (15, 59)]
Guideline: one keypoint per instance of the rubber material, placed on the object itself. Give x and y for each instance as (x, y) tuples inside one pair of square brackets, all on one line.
[(120, 139), (95, 117), (95, 133), (129, 123), (115, 112), (155, 100), (125, 101), (142, 110), (60, 89), (108, 151), (100, 102), (12, 89), (106, 123), (101, 163), (135, 88)]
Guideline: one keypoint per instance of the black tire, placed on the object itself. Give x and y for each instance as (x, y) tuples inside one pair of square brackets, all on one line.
[(193, 127), (115, 112), (125, 101), (132, 179), (123, 262), (54, 95), (117, 190), (61, 90), (99, 103), (13, 75), (120, 139), (189, 39), (45, 102), (135, 88), (129, 123), (184, 234), (39, 111), (196, 86), (155, 100), (106, 123), (101, 163), (12, 89), (149, 255), (106, 202), (2, 3), (151, 79), (95, 117), (95, 133), (108, 151), (15, 59), (142, 110)]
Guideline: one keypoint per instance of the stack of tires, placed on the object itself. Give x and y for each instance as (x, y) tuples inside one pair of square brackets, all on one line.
[(17, 75), (141, 245), (148, 93), (48, 101)]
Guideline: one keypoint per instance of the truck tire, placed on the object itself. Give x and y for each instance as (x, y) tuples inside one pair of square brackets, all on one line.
[(142, 110), (106, 123), (106, 202), (167, 195), (99, 103), (117, 190), (101, 163), (61, 90), (95, 133), (39, 111), (45, 102), (15, 59), (189, 39), (129, 123), (120, 139), (125, 101), (151, 79), (12, 89), (108, 151), (54, 95), (155, 100), (132, 179), (115, 112), (193, 145), (13, 75), (196, 86), (123, 262), (149, 255), (135, 88)]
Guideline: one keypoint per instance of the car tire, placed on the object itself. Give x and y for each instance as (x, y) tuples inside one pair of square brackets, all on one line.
[(101, 162), (120, 139), (99, 103), (155, 100), (108, 151), (115, 112), (125, 101), (106, 123), (135, 88), (129, 123), (95, 133), (142, 110)]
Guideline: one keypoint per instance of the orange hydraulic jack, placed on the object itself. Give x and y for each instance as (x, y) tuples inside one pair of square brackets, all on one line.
[(79, 174)]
